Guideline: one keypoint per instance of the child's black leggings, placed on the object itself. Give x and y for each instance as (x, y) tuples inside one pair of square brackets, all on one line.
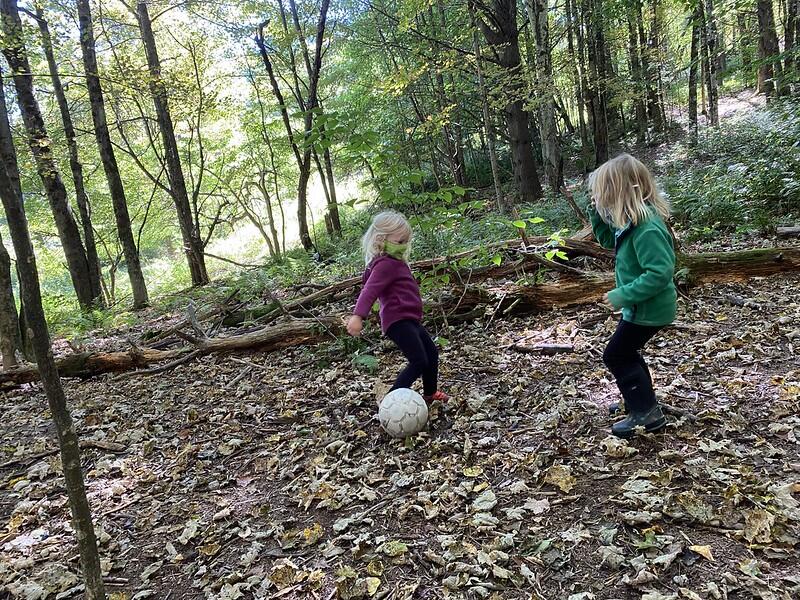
[(623, 359), (420, 350)]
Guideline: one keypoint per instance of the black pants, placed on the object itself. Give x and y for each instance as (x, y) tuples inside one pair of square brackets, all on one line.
[(420, 350), (623, 359)]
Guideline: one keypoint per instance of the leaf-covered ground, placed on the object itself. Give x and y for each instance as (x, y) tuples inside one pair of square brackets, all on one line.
[(264, 476)]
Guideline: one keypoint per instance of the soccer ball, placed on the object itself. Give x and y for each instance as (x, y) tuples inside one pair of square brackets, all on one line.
[(402, 413)]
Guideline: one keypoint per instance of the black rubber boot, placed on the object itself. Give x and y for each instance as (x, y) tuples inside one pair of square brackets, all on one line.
[(652, 421), (617, 408)]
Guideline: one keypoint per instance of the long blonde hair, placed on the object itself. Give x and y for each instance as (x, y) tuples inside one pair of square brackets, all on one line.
[(624, 189), (384, 224)]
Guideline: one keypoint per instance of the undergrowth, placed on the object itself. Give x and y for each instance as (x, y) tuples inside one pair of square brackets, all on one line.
[(743, 176)]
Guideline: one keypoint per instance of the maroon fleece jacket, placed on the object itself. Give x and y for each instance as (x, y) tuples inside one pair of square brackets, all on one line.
[(390, 281)]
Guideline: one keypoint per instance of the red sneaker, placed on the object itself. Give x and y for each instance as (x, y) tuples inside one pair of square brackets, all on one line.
[(440, 396)]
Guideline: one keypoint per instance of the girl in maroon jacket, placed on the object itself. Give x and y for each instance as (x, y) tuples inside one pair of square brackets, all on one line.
[(388, 279)]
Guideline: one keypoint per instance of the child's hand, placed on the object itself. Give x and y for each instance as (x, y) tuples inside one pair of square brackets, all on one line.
[(608, 303), (354, 326)]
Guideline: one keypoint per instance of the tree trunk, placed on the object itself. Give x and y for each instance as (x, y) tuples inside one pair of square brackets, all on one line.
[(502, 205), (790, 38), (693, 64), (10, 337), (639, 106), (190, 230), (598, 96), (503, 36), (76, 167), (42, 149), (538, 14), (9, 322), (46, 370), (710, 50), (654, 47), (333, 204), (769, 71), (579, 74), (743, 38)]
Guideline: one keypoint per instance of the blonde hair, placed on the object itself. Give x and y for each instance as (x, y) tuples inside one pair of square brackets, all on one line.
[(384, 224), (624, 189)]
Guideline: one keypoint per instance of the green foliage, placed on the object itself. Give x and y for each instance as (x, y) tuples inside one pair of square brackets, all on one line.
[(745, 175)]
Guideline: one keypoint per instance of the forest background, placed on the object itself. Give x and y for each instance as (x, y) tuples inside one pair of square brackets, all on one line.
[(261, 125)]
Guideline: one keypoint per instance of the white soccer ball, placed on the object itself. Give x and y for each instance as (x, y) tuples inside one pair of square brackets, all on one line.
[(402, 413)]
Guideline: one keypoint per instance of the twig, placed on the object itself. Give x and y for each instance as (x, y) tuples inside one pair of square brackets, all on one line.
[(571, 201), (122, 506), (239, 377), (548, 349), (154, 371)]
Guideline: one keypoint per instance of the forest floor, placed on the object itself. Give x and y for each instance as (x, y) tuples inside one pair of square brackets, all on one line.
[(264, 475)]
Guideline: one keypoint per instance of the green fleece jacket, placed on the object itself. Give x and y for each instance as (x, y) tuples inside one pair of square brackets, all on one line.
[(645, 266)]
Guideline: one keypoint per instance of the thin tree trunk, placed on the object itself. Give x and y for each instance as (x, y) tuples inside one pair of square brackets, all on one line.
[(711, 63), (769, 72), (500, 29), (538, 14), (67, 438), (262, 187), (42, 149), (654, 45), (745, 52), (639, 106), (190, 230), (502, 205), (593, 11), (790, 37), (10, 334), (9, 322), (333, 204), (693, 64), (579, 74), (76, 167)]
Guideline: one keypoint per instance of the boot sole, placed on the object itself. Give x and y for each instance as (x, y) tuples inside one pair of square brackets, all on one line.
[(651, 428)]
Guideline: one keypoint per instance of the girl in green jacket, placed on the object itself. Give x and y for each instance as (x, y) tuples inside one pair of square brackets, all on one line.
[(628, 214)]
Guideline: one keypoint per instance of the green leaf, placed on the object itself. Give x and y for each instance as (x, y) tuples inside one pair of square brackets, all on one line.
[(442, 341), (497, 259), (562, 255), (458, 190), (536, 220), (367, 361), (519, 224), (550, 254)]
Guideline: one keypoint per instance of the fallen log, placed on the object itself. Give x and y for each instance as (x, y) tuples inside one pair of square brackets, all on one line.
[(275, 337), (729, 267), (462, 303), (572, 247), (788, 231)]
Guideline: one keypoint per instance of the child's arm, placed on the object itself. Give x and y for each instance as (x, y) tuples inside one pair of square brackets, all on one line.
[(379, 277), (602, 232), (655, 255)]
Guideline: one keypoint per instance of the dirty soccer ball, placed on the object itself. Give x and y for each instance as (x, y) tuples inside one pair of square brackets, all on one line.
[(403, 413)]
